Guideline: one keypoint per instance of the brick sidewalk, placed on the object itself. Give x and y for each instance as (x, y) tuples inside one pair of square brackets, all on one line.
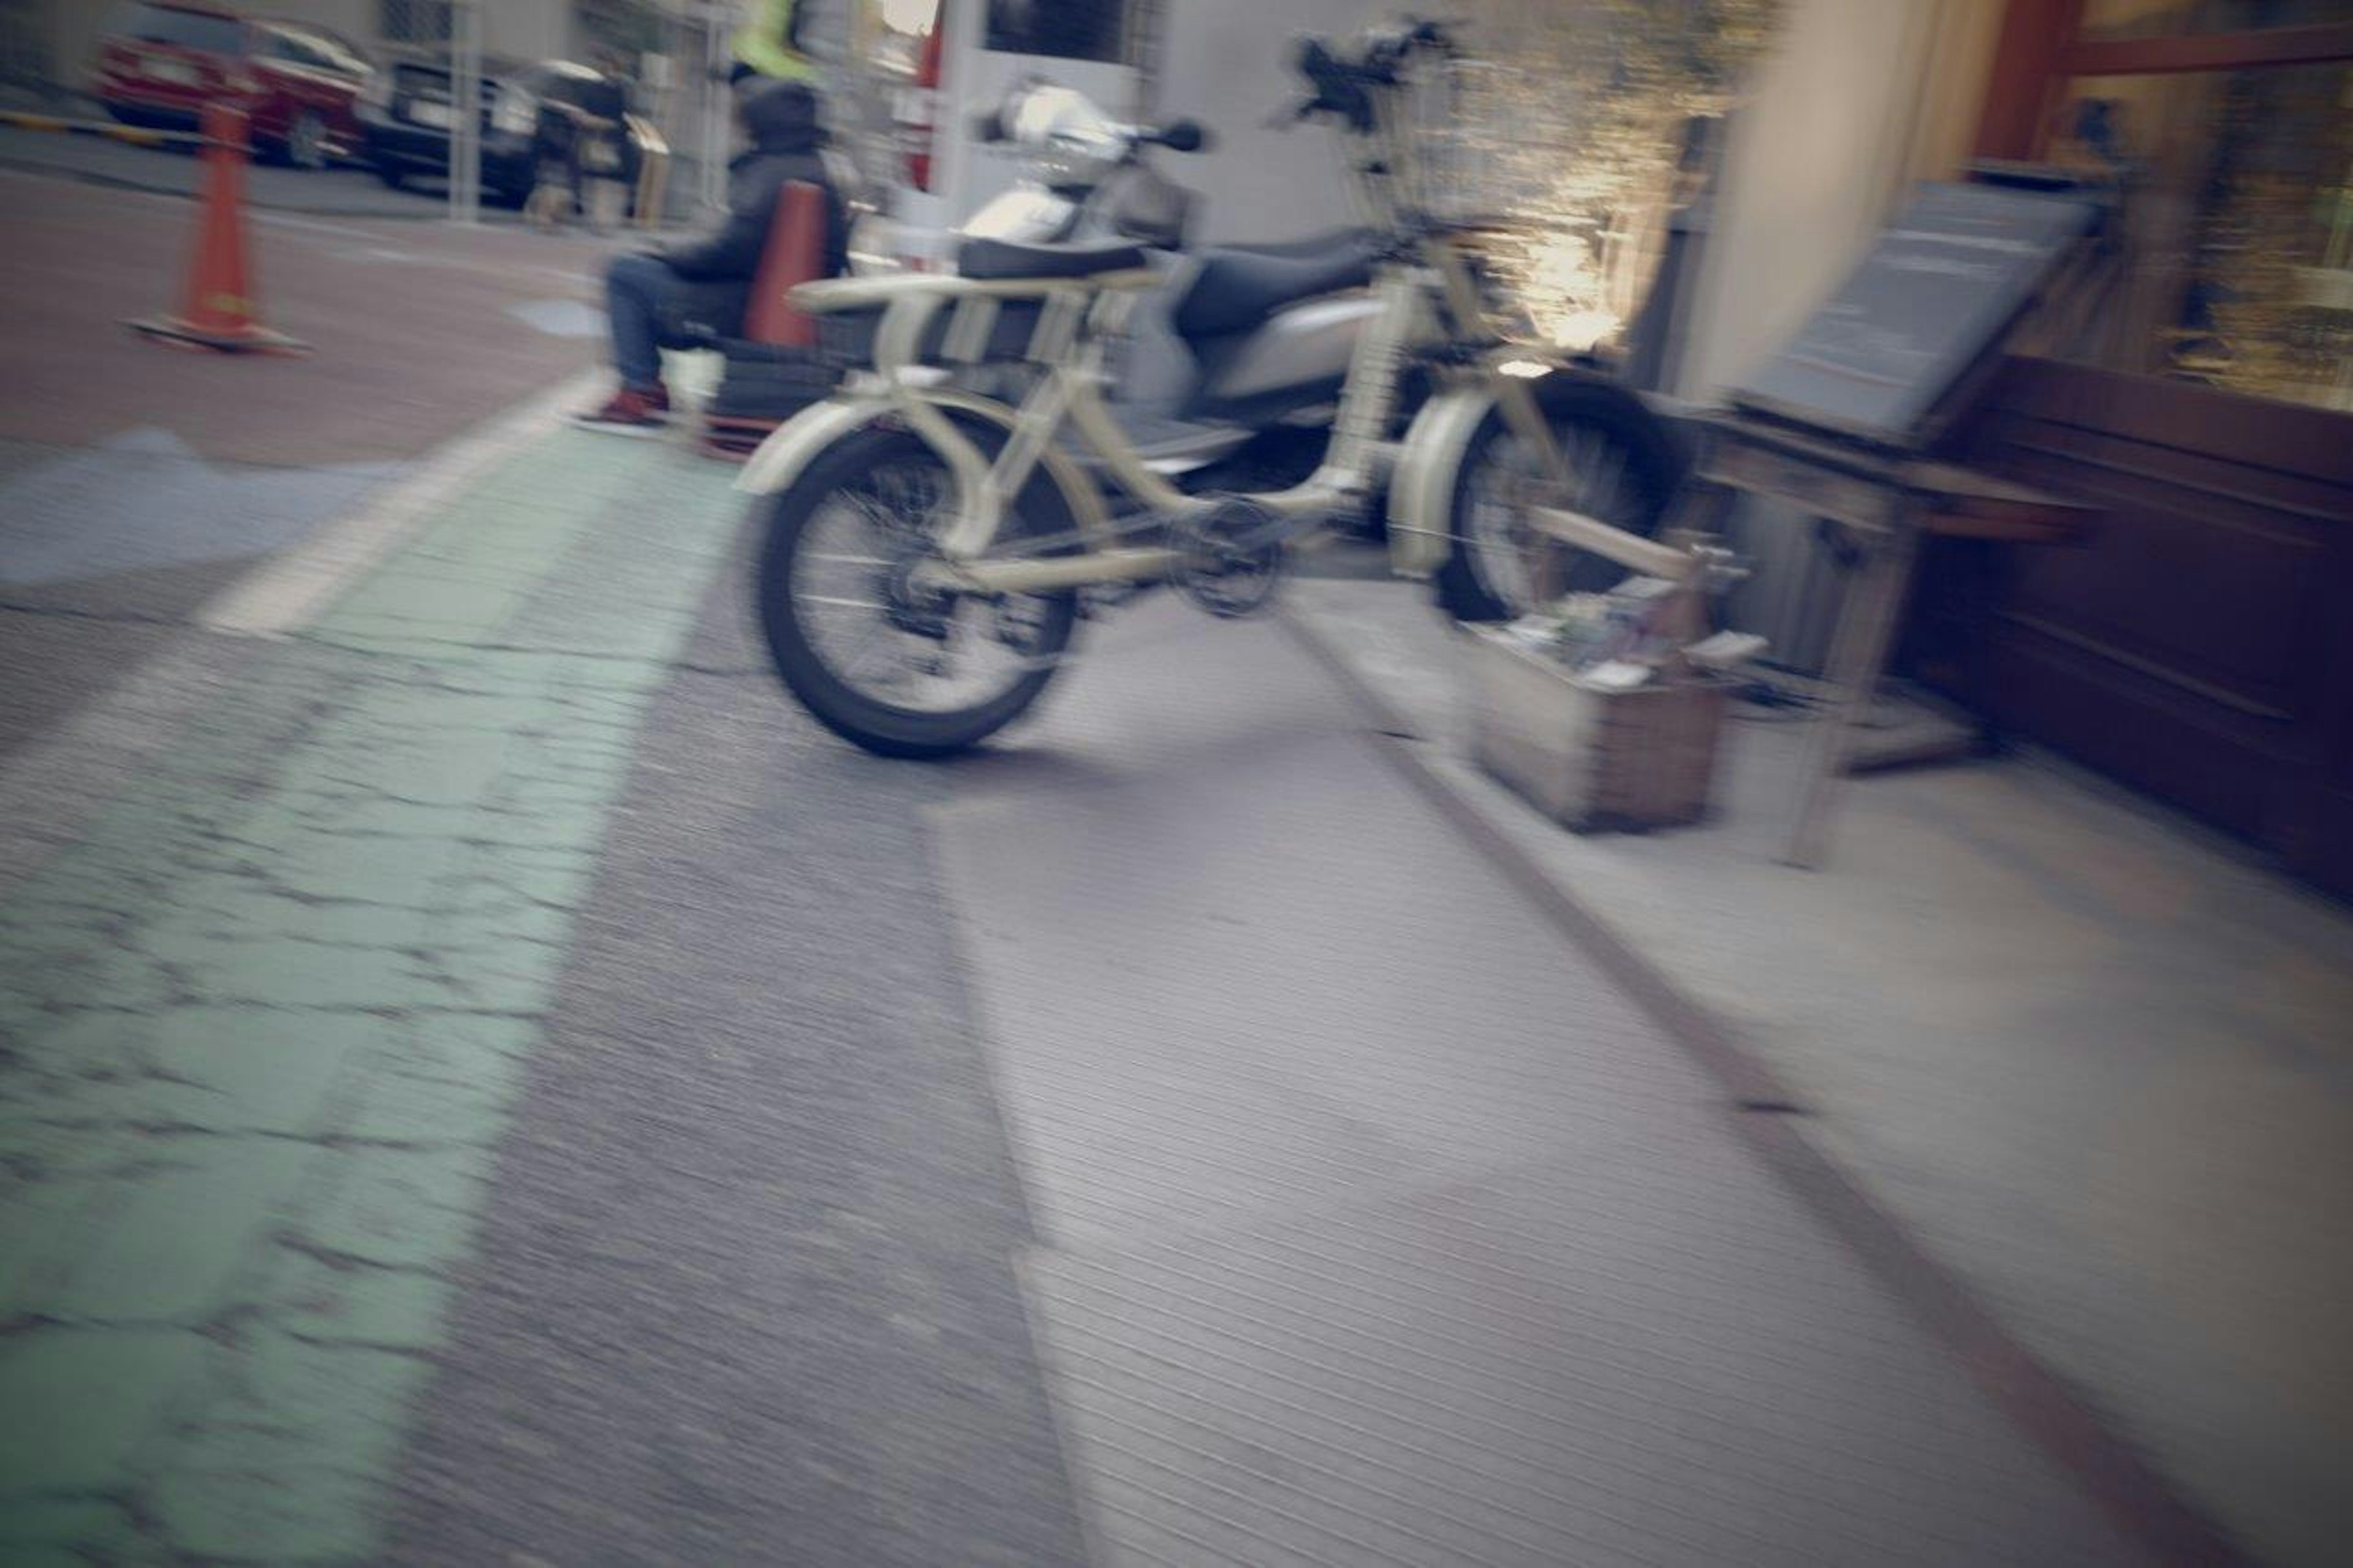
[(265, 1020)]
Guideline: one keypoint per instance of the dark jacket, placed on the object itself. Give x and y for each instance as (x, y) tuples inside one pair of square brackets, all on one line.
[(786, 142)]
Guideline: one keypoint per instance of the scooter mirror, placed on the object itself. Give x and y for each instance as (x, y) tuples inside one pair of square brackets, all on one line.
[(1182, 136)]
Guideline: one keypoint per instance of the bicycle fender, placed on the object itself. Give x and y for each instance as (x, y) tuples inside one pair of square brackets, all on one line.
[(791, 446), (1421, 491), (794, 445)]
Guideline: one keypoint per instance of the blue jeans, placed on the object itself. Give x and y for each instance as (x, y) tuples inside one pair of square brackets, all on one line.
[(637, 291)]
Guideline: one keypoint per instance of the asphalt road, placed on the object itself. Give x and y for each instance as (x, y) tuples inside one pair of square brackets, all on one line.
[(744, 1291), (135, 482)]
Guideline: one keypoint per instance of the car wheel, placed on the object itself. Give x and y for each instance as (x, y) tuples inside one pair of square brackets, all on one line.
[(306, 141)]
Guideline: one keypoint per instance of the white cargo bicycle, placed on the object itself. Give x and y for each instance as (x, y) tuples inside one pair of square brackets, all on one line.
[(932, 540)]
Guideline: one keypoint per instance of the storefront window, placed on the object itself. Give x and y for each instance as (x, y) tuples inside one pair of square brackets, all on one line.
[(2237, 224), (2108, 21), (1066, 30)]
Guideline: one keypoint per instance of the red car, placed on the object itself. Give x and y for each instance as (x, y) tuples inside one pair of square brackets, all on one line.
[(163, 60)]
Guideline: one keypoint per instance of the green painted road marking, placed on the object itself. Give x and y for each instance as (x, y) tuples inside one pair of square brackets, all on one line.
[(265, 1023)]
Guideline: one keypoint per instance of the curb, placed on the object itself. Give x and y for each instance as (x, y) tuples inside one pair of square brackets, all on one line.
[(2146, 1508), (428, 212)]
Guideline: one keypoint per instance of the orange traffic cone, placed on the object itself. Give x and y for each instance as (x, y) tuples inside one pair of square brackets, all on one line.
[(219, 312), (794, 254)]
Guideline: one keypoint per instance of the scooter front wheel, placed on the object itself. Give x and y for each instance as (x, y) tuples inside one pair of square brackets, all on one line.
[(859, 629)]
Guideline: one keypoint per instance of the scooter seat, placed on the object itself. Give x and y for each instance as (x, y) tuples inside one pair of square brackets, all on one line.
[(1003, 258), (1239, 287)]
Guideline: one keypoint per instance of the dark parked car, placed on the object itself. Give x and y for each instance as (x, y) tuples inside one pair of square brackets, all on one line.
[(160, 61), (406, 118)]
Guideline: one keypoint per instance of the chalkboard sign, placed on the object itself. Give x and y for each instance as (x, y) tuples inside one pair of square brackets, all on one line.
[(1938, 293)]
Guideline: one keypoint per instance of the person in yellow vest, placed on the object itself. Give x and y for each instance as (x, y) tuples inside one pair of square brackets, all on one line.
[(773, 43)]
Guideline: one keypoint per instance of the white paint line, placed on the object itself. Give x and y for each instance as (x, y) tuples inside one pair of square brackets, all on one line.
[(286, 596), (287, 220)]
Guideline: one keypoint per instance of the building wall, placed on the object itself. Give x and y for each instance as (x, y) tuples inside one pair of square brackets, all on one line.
[(1857, 100), (1231, 75)]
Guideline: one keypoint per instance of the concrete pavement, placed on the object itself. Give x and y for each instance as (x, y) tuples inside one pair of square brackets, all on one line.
[(2091, 1057)]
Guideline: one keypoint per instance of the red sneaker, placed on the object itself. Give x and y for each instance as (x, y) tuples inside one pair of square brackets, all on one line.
[(631, 411)]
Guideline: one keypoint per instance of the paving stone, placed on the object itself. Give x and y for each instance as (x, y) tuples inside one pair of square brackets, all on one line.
[(460, 610), (278, 973), (309, 864), (298, 932), (462, 1046), (270, 1507), (187, 1226), (317, 1301), (494, 922), (31, 1528), (242, 907), (80, 1400), (217, 1069), (411, 1209), (401, 1106)]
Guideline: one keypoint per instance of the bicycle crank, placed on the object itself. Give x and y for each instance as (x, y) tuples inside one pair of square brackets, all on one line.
[(1228, 556)]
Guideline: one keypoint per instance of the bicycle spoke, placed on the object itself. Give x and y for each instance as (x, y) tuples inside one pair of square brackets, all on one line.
[(878, 628)]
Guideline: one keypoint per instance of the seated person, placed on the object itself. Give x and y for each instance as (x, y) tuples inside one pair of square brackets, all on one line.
[(682, 296)]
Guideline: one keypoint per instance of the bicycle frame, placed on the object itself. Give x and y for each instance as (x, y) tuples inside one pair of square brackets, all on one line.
[(1075, 315), (1427, 296)]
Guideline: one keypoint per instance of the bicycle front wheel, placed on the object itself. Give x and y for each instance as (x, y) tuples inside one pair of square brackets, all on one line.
[(1623, 469), (860, 633)]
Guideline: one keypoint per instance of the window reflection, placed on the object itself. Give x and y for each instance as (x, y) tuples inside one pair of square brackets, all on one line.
[(2108, 20), (2238, 224)]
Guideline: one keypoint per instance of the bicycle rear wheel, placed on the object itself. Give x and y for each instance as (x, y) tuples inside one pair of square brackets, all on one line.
[(875, 653)]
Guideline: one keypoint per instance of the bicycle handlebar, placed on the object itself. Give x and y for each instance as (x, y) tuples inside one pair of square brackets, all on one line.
[(1341, 82)]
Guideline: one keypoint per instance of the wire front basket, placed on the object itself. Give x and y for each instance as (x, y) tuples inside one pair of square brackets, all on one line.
[(1448, 146), (1563, 192)]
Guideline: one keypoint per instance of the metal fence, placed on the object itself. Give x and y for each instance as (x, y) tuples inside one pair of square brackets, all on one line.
[(24, 45), (414, 21)]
